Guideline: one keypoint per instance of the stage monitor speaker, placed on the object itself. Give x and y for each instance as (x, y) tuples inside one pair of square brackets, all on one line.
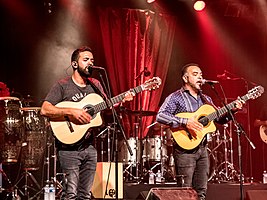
[(171, 193), (102, 181), (256, 195)]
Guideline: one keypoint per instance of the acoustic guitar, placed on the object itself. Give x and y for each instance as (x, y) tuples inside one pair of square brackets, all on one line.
[(70, 133), (206, 114)]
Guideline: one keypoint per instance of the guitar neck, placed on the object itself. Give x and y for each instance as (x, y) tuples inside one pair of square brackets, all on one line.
[(103, 105), (220, 112)]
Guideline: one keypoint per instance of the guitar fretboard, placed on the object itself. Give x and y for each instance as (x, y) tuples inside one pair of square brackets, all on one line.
[(103, 105), (218, 113)]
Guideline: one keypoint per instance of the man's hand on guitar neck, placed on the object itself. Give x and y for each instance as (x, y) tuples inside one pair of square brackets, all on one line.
[(238, 105), (194, 126), (128, 96)]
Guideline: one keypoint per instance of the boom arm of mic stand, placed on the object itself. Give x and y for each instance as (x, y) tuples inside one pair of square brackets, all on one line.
[(139, 75), (241, 130)]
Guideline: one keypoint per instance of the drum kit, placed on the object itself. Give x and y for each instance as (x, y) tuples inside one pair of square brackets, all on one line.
[(152, 153), (23, 136)]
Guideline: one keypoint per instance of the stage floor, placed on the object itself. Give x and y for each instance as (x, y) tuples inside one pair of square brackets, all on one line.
[(222, 191)]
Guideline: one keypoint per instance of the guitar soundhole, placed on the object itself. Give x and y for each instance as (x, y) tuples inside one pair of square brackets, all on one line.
[(90, 110), (203, 120)]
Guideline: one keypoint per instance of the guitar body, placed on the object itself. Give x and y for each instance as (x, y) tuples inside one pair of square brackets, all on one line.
[(181, 136), (263, 133), (61, 128)]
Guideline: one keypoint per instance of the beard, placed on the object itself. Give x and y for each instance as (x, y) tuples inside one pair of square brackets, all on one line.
[(195, 86), (85, 72)]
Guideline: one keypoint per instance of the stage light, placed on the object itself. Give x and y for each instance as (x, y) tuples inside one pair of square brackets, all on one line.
[(150, 1), (199, 5)]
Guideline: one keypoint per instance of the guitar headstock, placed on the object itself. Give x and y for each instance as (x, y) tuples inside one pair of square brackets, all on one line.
[(255, 92), (151, 84)]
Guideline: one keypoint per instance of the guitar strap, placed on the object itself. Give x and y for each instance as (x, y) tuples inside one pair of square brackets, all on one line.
[(96, 89), (203, 98), (206, 101)]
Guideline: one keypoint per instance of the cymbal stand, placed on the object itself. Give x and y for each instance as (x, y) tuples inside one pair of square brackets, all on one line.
[(136, 125), (108, 129), (162, 164), (134, 158), (225, 170)]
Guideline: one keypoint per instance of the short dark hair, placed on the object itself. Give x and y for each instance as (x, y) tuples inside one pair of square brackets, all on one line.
[(185, 67), (75, 54)]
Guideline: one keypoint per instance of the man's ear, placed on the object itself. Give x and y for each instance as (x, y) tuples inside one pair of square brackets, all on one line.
[(74, 64), (185, 78)]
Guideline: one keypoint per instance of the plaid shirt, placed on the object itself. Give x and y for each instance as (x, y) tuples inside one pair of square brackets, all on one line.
[(180, 101)]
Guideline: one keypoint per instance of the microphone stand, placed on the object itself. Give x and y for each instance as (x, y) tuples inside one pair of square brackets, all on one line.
[(239, 131), (115, 138), (145, 73), (233, 77)]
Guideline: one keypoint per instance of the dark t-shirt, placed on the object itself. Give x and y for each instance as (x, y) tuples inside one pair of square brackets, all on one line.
[(66, 90)]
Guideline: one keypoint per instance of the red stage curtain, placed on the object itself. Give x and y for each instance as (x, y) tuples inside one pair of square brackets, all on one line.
[(134, 39)]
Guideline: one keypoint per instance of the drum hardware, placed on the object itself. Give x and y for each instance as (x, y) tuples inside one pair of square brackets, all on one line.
[(155, 151), (51, 177), (171, 173), (108, 129), (225, 171), (102, 136), (130, 172), (180, 180), (132, 163), (138, 150), (10, 188), (27, 176)]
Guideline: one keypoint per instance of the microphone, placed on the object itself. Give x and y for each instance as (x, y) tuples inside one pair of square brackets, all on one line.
[(146, 72), (204, 81), (90, 68), (96, 67)]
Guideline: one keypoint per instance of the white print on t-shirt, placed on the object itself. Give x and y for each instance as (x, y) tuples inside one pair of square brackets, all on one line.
[(78, 96)]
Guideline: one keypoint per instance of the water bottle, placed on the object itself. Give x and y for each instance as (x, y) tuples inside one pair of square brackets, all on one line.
[(15, 195), (46, 192), (264, 179), (151, 178), (158, 177), (52, 192)]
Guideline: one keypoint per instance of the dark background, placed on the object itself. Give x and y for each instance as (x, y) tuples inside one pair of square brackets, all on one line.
[(36, 45)]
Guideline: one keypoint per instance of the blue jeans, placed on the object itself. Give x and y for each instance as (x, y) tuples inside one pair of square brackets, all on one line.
[(79, 167), (194, 166)]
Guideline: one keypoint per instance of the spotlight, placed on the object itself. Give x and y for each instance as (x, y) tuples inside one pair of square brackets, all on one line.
[(199, 5), (150, 1)]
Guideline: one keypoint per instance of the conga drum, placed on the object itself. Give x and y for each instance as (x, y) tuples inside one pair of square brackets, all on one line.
[(11, 129), (35, 128)]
